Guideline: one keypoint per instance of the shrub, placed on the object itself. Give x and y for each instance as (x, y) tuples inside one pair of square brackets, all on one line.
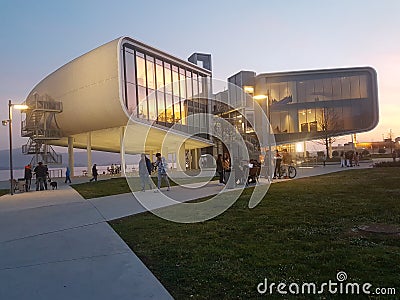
[(387, 164)]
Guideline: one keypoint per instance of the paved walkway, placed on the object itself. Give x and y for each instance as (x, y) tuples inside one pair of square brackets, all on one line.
[(56, 245)]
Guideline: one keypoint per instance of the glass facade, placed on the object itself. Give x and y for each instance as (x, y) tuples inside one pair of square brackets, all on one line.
[(306, 105), (161, 90)]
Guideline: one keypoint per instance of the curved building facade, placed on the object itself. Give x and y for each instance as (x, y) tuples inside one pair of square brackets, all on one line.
[(97, 93)]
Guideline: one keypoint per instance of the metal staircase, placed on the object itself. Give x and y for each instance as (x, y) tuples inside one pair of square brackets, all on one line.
[(40, 125)]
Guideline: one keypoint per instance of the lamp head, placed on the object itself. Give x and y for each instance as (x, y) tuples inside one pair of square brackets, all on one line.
[(4, 122)]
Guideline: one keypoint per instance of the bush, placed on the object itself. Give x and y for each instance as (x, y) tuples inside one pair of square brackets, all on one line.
[(365, 152), (382, 151), (335, 153), (387, 164)]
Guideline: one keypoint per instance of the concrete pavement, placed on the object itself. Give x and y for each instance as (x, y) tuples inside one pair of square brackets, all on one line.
[(56, 245)]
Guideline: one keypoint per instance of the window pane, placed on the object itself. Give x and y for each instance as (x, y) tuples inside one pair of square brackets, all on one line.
[(336, 89), (141, 70), (355, 87), (169, 109), (159, 76), (177, 110), (175, 79), (345, 88), (301, 91), (189, 90), (195, 86), (327, 89), (152, 105), (310, 97), (184, 111), (131, 98), (168, 78), (161, 106), (363, 86), (142, 102), (130, 67), (151, 80), (319, 90), (182, 83)]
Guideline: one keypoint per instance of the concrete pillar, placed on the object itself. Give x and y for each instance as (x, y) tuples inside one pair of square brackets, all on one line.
[(180, 158), (71, 155), (196, 157), (121, 150), (89, 152)]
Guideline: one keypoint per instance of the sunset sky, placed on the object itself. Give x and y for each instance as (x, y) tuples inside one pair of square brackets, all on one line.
[(37, 37)]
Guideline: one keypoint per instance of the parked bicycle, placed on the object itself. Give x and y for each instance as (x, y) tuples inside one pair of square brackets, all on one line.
[(291, 170)]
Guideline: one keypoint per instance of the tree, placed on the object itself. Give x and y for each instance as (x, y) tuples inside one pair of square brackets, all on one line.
[(328, 124)]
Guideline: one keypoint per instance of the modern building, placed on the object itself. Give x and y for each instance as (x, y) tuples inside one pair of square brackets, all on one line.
[(88, 102)]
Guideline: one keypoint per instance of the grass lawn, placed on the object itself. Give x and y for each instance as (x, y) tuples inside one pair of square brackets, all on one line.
[(115, 186), (4, 192), (302, 231)]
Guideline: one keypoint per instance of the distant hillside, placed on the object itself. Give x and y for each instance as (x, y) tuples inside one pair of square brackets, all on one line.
[(20, 160)]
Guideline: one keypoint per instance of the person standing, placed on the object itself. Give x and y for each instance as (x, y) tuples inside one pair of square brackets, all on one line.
[(94, 173), (67, 175), (394, 155), (161, 171), (47, 177), (357, 159), (286, 162), (28, 177), (220, 169), (226, 163), (278, 161), (145, 168), (41, 174), (342, 160)]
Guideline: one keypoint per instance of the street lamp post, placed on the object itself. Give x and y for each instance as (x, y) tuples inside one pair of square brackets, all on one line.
[(9, 122)]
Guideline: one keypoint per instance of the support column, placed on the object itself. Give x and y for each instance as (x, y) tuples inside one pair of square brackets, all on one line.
[(71, 155), (89, 152), (195, 159), (180, 158), (121, 150), (330, 148), (305, 149)]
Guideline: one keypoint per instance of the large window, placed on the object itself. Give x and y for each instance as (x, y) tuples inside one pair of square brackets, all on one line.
[(308, 104), (161, 90)]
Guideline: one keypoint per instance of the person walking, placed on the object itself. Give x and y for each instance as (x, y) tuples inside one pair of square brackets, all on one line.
[(94, 173), (278, 162), (67, 175), (145, 168), (394, 155), (41, 174), (161, 171), (220, 169), (28, 177)]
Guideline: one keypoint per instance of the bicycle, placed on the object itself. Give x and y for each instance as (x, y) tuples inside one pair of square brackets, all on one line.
[(291, 170)]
